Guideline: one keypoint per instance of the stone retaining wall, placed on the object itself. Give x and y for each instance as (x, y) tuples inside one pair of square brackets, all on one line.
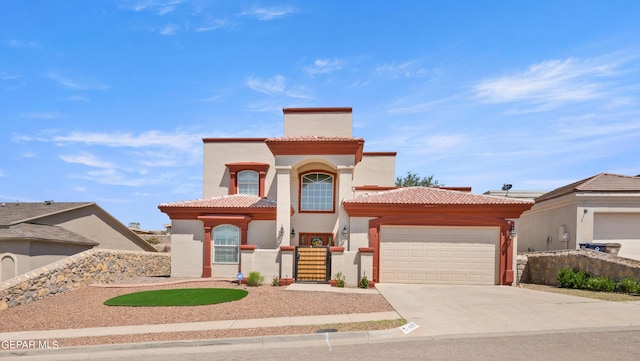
[(542, 267), (82, 269)]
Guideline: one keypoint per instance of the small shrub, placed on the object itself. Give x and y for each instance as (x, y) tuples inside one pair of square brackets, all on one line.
[(570, 278), (629, 286), (275, 281), (601, 284), (339, 277), (364, 282), (255, 279)]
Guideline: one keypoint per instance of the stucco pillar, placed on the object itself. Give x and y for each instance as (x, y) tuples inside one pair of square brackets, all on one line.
[(283, 208), (206, 253), (366, 263), (287, 254), (345, 186)]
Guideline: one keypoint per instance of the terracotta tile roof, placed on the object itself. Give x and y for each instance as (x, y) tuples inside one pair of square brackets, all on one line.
[(427, 195), (44, 233), (314, 138), (603, 182), (232, 201), (17, 212)]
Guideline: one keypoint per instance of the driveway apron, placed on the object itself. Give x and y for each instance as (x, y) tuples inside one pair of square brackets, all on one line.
[(450, 310)]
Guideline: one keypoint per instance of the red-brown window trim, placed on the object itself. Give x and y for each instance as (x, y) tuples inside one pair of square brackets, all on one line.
[(333, 175), (234, 168)]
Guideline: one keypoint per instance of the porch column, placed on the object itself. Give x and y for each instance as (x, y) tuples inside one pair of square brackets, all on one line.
[(283, 208), (506, 256), (345, 185), (206, 253)]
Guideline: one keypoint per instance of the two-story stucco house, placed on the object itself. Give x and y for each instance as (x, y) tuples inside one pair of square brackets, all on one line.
[(313, 203)]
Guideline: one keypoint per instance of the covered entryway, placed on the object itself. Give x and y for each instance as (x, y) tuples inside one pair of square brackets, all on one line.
[(623, 228), (439, 254)]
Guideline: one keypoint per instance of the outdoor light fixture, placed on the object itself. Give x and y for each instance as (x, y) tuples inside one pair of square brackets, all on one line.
[(293, 232), (512, 233), (344, 231), (281, 232)]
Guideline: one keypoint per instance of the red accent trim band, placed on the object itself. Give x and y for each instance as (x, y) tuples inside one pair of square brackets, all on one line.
[(317, 110), (380, 154), (232, 140), (336, 249), (287, 248), (366, 250), (248, 247)]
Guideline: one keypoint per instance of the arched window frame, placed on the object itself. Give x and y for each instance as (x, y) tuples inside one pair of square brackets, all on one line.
[(221, 245), (301, 204), (235, 168)]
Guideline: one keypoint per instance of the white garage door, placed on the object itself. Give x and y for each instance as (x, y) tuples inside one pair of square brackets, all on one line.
[(623, 228), (439, 255)]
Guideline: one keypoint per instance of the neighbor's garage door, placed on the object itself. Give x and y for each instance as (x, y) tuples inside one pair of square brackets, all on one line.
[(439, 255), (623, 228)]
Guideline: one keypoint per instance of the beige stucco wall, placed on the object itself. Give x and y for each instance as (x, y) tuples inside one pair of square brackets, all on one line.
[(545, 220), (186, 248), (217, 154), (95, 224), (377, 170), (262, 234), (321, 124), (359, 234)]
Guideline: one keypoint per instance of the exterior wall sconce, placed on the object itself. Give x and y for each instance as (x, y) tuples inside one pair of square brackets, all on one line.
[(281, 232), (293, 232), (344, 231), (512, 233)]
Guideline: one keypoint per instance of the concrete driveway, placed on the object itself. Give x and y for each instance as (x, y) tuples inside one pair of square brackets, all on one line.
[(451, 310)]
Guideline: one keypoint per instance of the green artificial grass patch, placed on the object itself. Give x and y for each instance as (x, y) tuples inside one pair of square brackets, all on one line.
[(178, 297)]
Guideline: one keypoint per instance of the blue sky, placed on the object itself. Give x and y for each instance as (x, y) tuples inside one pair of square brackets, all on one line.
[(108, 101)]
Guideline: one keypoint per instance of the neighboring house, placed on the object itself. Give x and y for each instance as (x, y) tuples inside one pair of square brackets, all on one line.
[(35, 234), (314, 199), (604, 208)]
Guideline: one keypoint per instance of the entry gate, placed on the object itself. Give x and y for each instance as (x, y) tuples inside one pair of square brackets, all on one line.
[(313, 264)]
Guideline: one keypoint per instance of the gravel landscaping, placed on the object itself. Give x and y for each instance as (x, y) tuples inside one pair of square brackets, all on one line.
[(84, 308)]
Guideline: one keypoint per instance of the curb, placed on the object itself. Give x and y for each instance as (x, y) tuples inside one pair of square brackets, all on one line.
[(257, 341)]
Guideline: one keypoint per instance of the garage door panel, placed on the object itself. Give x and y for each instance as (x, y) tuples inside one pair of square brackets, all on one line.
[(623, 228), (439, 255)]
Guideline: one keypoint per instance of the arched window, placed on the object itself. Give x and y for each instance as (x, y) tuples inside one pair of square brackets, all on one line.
[(226, 240), (248, 182), (316, 192)]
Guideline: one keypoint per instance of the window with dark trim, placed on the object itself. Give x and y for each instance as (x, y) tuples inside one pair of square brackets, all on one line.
[(316, 192)]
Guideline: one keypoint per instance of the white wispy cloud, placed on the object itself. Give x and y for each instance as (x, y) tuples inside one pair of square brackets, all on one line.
[(213, 24), (180, 141), (324, 66), (41, 115), (75, 83), (87, 159), (169, 29), (160, 7), (9, 76), (277, 86), (268, 13), (22, 44), (408, 69), (547, 84)]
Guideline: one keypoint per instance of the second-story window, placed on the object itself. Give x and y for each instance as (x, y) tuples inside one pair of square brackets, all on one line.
[(316, 192), (248, 183)]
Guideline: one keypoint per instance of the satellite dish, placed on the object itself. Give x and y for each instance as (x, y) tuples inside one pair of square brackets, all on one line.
[(506, 187)]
